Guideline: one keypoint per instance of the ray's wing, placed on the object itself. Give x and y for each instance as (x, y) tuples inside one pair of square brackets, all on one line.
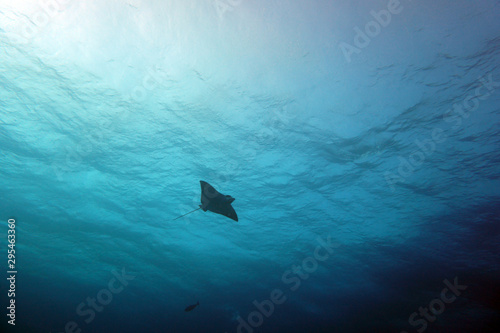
[(208, 193), (230, 212), (223, 208)]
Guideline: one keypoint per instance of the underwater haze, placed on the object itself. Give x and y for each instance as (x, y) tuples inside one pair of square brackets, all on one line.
[(360, 140)]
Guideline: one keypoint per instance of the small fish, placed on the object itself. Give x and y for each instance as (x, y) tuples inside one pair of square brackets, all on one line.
[(191, 307)]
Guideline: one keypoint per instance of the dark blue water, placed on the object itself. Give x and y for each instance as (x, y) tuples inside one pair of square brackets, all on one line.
[(359, 138)]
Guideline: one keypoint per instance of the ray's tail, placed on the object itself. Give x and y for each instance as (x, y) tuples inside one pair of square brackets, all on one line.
[(187, 213)]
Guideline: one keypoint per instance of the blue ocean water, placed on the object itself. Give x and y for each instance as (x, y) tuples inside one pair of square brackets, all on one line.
[(359, 138)]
